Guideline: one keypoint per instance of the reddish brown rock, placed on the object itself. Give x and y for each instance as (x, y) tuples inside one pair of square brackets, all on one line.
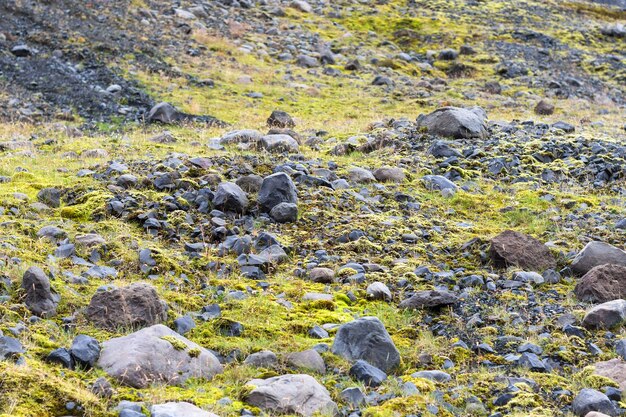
[(517, 249), (135, 306), (602, 283)]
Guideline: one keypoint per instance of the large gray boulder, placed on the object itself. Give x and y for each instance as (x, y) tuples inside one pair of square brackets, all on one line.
[(178, 409), (132, 307), (429, 299), (276, 188), (606, 315), (589, 400), (40, 299), (455, 122), (241, 136), (366, 338), (156, 355), (291, 394), (597, 253)]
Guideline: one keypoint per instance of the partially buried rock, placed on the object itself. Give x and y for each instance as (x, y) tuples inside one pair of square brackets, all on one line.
[(518, 249), (167, 114), (135, 306), (178, 409), (322, 275), (50, 196), (366, 338), (291, 394), (429, 299), (544, 108), (284, 213), (606, 315), (597, 253), (279, 143), (41, 300), (156, 355), (389, 174), (85, 350), (602, 283), (308, 360), (10, 348), (378, 291), (275, 189), (455, 122)]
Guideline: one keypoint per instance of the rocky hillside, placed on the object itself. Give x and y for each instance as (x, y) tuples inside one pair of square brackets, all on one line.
[(286, 207)]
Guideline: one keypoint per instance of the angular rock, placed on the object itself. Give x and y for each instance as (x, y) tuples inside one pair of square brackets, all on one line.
[(132, 307), (158, 355), (50, 196), (276, 188), (367, 374), (241, 136), (85, 350), (40, 299), (361, 176), (280, 119), (589, 400), (366, 338), (429, 299), (10, 348), (438, 182), (597, 253), (602, 283), (437, 376), (514, 248), (230, 197), (455, 122), (606, 315), (291, 394)]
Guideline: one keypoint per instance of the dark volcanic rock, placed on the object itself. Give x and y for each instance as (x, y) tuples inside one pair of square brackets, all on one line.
[(514, 248), (602, 283), (367, 374), (366, 338), (429, 299), (135, 306), (589, 400), (276, 188), (40, 298), (230, 197), (85, 350)]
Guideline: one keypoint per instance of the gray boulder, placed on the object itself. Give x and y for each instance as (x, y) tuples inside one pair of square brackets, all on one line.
[(41, 300), (279, 143), (230, 197), (158, 355), (276, 188), (366, 338), (241, 136), (262, 359), (178, 409), (597, 253), (291, 394), (455, 122), (606, 315), (438, 182), (284, 213), (307, 360), (378, 291), (589, 400), (10, 348)]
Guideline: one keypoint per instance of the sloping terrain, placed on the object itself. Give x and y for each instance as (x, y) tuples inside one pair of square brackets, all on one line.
[(437, 165)]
